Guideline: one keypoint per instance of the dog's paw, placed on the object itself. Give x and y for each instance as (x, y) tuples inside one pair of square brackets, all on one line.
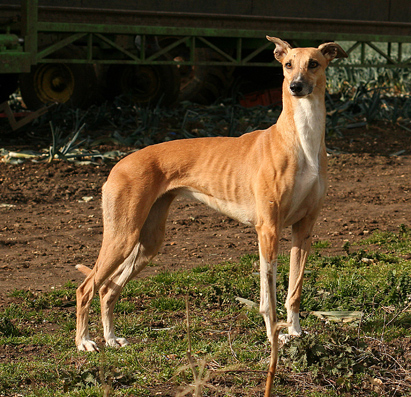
[(286, 338), (117, 342), (87, 345)]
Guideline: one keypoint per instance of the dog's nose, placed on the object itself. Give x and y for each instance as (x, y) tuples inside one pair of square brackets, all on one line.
[(296, 87)]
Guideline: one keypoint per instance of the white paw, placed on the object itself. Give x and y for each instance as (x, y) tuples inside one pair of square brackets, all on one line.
[(117, 342), (285, 338), (87, 345)]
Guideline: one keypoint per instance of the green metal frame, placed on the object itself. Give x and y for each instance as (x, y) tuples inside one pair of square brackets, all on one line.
[(236, 47), (235, 56)]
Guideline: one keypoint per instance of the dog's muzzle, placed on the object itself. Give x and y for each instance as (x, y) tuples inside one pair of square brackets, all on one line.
[(300, 88)]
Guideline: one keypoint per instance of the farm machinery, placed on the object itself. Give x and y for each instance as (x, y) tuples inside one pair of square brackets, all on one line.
[(82, 51)]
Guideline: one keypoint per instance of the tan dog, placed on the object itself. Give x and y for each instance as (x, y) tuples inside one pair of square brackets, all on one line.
[(269, 179)]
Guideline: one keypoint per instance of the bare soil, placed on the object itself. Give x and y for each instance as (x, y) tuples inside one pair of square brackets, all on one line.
[(51, 227)]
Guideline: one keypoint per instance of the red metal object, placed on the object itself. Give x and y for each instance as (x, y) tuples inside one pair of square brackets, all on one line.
[(25, 117)]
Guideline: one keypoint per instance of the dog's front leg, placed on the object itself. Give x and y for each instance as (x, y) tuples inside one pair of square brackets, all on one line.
[(301, 242), (268, 301), (268, 237), (268, 247)]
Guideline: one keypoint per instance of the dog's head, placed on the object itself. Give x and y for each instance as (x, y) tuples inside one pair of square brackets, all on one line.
[(304, 68)]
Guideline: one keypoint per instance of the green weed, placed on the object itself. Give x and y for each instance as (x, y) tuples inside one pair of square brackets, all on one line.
[(365, 357)]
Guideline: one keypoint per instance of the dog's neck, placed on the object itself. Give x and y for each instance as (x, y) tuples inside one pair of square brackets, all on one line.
[(307, 115), (309, 119)]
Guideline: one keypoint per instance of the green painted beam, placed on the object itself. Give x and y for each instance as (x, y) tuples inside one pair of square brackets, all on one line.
[(207, 32), (29, 27)]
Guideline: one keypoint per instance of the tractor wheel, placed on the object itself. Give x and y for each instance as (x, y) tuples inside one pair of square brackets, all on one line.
[(70, 83), (145, 84)]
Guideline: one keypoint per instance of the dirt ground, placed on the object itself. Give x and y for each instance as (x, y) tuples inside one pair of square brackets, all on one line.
[(54, 221)]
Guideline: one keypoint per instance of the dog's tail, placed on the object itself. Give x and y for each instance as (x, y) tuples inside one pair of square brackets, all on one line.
[(83, 269)]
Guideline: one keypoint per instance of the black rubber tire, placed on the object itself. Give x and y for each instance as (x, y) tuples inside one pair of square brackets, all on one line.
[(8, 84), (145, 85), (69, 83)]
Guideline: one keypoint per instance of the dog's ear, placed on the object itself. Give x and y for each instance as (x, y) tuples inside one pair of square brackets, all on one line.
[(332, 50), (281, 48)]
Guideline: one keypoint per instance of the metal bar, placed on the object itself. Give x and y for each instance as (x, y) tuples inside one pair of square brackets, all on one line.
[(146, 62), (239, 49), (193, 50), (407, 62), (404, 64), (90, 47), (332, 34), (363, 53), (239, 31), (376, 49), (220, 21), (59, 45), (182, 40), (165, 50), (215, 48), (117, 47), (30, 27), (153, 58), (144, 47), (256, 52), (14, 124), (349, 51)]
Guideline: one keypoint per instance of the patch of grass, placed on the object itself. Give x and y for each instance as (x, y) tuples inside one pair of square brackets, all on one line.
[(167, 304), (7, 328), (399, 243), (320, 244), (366, 357)]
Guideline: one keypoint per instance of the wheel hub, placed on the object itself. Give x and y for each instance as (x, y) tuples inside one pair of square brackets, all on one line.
[(54, 83)]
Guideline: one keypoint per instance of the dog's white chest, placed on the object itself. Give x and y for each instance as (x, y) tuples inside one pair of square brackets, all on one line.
[(310, 123), (309, 119)]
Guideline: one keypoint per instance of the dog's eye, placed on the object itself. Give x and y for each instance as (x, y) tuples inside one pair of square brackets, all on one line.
[(312, 64), (288, 65)]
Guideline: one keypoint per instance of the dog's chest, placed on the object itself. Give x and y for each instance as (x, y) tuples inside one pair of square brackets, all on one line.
[(310, 123), (306, 179), (309, 118), (307, 189)]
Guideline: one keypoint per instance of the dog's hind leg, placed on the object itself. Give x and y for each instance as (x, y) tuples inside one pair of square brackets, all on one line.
[(151, 238), (111, 256), (111, 290), (123, 221)]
